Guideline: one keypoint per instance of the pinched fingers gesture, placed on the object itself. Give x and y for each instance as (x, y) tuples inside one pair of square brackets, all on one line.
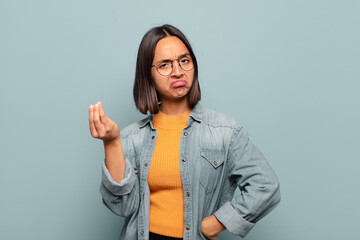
[(101, 126)]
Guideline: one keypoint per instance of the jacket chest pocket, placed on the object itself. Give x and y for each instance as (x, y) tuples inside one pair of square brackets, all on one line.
[(211, 163)]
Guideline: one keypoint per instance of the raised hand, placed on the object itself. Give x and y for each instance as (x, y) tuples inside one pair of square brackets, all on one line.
[(101, 126)]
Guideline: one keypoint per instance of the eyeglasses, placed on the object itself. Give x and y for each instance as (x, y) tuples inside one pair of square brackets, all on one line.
[(165, 67)]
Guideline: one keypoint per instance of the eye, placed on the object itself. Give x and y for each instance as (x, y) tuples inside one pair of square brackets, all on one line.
[(164, 65), (185, 60)]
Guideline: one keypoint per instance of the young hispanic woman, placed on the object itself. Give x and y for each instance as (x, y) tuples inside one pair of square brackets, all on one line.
[(173, 174)]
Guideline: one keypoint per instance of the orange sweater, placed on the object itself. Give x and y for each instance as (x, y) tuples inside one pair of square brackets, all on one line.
[(166, 192)]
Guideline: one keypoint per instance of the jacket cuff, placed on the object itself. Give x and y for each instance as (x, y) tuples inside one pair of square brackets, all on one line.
[(119, 188), (233, 222)]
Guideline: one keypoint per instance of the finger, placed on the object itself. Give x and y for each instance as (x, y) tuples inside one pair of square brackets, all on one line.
[(99, 127), (91, 121), (103, 118)]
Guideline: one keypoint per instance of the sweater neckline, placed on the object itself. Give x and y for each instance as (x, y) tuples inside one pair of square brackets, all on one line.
[(164, 121)]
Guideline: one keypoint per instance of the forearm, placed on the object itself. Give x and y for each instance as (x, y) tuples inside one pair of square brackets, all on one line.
[(114, 159)]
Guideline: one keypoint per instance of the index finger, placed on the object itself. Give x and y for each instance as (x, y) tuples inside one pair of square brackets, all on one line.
[(102, 113), (91, 121)]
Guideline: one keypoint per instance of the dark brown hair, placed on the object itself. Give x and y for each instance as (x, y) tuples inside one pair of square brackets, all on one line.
[(145, 96)]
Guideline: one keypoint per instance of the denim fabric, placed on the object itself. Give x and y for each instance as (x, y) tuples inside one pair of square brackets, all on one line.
[(216, 156)]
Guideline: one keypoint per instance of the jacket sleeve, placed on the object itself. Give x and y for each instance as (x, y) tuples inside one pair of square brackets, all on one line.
[(257, 182), (122, 198)]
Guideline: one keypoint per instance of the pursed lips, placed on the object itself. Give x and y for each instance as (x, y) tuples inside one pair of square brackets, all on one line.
[(178, 83)]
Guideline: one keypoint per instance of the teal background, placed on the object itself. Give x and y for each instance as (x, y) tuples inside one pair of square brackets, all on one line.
[(287, 70)]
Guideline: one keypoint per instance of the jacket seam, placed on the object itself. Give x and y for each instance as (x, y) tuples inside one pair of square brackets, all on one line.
[(224, 126), (230, 163)]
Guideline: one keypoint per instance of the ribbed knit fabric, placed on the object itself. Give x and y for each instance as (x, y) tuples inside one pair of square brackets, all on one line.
[(166, 192)]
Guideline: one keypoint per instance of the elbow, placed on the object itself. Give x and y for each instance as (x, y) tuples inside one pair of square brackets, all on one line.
[(120, 210), (122, 206), (275, 193), (271, 193), (112, 209)]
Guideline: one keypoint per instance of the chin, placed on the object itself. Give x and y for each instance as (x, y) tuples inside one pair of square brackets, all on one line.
[(181, 95)]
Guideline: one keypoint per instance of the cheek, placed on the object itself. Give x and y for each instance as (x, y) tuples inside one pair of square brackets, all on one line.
[(191, 77), (155, 79), (153, 76), (159, 82)]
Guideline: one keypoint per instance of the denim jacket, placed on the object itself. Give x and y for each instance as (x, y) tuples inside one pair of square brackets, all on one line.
[(216, 156)]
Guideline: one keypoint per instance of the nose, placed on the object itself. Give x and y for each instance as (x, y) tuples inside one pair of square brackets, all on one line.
[(177, 71)]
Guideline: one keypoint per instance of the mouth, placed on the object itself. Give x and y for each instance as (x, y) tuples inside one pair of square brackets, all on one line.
[(178, 83)]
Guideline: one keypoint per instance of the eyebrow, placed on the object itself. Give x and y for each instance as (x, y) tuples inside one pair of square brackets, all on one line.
[(166, 60)]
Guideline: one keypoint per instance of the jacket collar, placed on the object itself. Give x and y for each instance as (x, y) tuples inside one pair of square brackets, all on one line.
[(196, 114)]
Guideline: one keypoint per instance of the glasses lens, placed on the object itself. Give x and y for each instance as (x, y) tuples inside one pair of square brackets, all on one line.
[(186, 63), (165, 68)]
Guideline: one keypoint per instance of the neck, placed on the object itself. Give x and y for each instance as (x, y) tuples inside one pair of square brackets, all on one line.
[(175, 108)]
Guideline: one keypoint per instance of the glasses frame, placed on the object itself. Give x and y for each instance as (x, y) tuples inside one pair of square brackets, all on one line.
[(172, 64)]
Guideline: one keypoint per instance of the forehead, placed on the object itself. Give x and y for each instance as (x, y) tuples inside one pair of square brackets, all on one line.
[(169, 48)]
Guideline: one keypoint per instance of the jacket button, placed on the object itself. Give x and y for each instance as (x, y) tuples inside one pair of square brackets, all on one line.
[(185, 133), (215, 163), (142, 232), (187, 228), (187, 194), (135, 168), (152, 137), (145, 164), (184, 159)]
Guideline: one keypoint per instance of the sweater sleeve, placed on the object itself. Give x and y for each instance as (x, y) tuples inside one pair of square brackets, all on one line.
[(257, 182)]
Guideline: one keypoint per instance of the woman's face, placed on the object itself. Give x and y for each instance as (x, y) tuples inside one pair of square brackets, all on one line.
[(176, 85)]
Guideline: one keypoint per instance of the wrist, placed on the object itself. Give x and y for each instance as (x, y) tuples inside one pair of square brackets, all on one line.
[(114, 142)]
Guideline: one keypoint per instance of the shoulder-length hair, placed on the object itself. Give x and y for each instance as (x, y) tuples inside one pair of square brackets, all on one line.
[(145, 95)]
